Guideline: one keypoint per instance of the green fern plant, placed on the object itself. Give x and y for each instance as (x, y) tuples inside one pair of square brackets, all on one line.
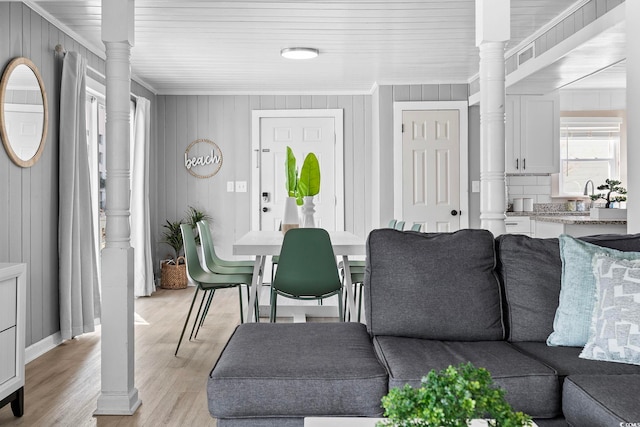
[(172, 236), (450, 398)]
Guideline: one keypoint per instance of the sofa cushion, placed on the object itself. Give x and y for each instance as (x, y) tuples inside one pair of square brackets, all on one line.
[(577, 294), (614, 334), (530, 271), (433, 285), (566, 362), (297, 370), (530, 386), (601, 400)]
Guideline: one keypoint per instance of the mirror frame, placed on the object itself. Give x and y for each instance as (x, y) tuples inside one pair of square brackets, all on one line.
[(3, 130)]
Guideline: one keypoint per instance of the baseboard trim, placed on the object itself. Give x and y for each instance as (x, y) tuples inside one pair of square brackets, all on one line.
[(41, 347)]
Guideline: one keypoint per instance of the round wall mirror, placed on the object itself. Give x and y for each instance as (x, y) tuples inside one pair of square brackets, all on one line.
[(23, 112)]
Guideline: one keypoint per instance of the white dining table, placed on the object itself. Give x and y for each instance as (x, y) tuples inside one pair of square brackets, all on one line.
[(262, 244)]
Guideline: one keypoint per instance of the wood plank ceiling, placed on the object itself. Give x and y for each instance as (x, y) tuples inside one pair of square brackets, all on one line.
[(200, 47)]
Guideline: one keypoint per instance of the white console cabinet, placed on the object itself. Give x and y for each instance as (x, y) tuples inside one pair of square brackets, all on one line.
[(12, 332), (532, 133)]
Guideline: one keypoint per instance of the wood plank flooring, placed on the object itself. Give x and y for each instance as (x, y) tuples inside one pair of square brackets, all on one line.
[(62, 386)]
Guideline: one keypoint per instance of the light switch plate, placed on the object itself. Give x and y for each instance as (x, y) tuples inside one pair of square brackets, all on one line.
[(475, 186), (230, 187), (241, 186)]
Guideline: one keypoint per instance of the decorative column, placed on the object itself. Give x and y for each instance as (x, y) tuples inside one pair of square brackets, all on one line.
[(118, 395), (492, 32), (633, 113)]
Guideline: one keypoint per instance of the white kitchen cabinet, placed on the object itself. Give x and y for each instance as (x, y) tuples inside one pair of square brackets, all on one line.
[(518, 225), (12, 333), (532, 132)]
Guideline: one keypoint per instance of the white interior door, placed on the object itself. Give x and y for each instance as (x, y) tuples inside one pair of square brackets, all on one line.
[(317, 134), (431, 169)]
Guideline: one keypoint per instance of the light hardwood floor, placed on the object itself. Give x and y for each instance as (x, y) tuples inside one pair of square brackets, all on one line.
[(62, 386)]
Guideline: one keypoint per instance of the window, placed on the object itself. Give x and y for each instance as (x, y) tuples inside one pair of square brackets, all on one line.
[(589, 150)]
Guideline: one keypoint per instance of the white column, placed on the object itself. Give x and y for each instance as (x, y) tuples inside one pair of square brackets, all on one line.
[(118, 395), (492, 32), (633, 113)]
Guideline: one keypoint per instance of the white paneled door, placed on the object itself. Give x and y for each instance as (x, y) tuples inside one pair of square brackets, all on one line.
[(303, 135), (431, 169)]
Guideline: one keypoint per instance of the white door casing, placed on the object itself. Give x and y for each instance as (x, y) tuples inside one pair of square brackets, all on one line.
[(431, 164), (318, 131)]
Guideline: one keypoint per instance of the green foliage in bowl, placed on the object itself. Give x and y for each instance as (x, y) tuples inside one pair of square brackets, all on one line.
[(450, 398)]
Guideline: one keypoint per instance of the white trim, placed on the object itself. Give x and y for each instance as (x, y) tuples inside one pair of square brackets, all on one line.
[(337, 114), (462, 107), (41, 347)]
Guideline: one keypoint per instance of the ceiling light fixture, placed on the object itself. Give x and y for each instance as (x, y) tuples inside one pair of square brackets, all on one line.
[(299, 53)]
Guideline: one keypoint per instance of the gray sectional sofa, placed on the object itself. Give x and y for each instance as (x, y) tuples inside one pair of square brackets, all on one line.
[(431, 300)]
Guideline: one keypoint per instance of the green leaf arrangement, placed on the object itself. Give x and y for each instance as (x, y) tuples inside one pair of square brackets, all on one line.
[(172, 236), (450, 398), (309, 181), (291, 181)]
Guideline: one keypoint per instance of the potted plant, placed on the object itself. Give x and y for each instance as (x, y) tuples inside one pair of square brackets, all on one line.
[(290, 217), (308, 186), (173, 271), (194, 216), (450, 398), (615, 192)]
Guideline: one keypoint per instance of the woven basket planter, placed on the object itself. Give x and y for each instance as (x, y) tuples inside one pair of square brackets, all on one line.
[(174, 276)]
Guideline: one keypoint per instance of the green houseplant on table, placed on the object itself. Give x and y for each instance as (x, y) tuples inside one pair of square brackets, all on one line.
[(450, 398), (300, 189)]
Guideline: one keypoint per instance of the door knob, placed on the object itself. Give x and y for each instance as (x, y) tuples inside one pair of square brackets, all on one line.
[(454, 212), (265, 209)]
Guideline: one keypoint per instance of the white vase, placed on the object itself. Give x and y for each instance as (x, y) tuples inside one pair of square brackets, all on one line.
[(290, 218), (308, 210)]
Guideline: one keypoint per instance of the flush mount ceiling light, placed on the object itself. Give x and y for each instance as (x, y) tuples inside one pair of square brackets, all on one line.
[(299, 52)]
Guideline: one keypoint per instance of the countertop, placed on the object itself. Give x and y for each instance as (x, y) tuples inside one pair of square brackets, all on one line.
[(578, 219), (567, 217)]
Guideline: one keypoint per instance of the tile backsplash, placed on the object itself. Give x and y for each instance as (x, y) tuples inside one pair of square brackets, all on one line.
[(536, 187)]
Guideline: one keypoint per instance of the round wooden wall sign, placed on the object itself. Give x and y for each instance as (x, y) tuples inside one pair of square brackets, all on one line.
[(203, 158)]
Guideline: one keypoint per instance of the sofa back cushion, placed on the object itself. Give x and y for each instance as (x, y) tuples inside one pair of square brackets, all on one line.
[(530, 270), (439, 286)]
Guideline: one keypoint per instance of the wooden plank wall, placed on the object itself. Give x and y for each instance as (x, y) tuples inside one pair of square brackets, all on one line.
[(226, 119), (385, 96), (29, 196)]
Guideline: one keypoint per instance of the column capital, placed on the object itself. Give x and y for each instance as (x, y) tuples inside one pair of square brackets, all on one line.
[(493, 21), (118, 21)]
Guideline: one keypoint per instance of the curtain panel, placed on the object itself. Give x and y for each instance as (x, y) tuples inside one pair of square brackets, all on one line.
[(79, 288)]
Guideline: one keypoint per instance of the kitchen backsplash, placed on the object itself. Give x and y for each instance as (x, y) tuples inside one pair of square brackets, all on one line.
[(536, 187)]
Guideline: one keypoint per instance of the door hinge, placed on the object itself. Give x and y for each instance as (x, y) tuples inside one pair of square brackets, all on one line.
[(403, 128)]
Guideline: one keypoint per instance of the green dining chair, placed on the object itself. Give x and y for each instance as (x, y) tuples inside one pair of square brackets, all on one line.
[(307, 269), (416, 227), (399, 225), (205, 280), (392, 223), (215, 264)]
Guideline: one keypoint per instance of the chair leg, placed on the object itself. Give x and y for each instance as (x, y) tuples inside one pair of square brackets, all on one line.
[(340, 306), (360, 290), (241, 308), (205, 312), (197, 320), (274, 296), (184, 328), (256, 306)]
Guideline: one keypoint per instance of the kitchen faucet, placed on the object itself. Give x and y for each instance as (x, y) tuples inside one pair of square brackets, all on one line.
[(586, 187)]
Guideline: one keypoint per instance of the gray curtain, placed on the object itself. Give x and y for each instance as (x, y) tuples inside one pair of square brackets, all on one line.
[(79, 289), (140, 213)]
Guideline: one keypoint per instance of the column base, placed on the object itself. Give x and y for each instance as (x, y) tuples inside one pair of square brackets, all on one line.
[(118, 404)]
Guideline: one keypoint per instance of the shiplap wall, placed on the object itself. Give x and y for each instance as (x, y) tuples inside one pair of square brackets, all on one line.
[(226, 119), (29, 196), (384, 97)]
